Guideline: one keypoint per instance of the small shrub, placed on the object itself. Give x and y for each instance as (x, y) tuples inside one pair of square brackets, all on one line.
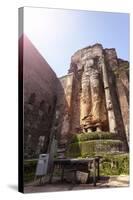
[(115, 164), (29, 170)]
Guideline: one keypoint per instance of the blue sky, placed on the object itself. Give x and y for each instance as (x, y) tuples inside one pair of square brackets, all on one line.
[(57, 33)]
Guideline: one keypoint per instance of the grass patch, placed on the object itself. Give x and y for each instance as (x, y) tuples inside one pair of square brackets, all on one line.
[(29, 170)]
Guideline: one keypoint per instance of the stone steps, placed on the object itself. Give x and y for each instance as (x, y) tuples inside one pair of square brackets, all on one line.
[(61, 149)]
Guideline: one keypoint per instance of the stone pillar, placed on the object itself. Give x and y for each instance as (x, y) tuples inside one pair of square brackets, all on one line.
[(110, 111)]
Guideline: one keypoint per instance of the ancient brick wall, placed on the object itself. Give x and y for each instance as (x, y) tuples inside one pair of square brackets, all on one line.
[(88, 88), (39, 82), (118, 82), (64, 106), (122, 81)]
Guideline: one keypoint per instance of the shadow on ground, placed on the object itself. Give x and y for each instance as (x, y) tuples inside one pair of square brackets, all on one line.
[(13, 187)]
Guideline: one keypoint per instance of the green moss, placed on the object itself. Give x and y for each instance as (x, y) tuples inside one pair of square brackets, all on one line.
[(93, 147), (93, 136), (105, 144)]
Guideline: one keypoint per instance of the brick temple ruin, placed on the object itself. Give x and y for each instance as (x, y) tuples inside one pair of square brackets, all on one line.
[(92, 97)]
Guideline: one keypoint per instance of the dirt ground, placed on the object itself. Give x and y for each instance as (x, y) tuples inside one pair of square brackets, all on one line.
[(104, 182)]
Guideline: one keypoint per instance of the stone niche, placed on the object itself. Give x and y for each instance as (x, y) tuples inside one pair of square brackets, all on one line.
[(91, 96)]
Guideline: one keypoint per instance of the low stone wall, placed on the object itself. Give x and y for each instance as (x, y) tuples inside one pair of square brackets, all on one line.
[(94, 148)]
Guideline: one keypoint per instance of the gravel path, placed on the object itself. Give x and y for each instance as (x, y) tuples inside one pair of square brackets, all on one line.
[(105, 182)]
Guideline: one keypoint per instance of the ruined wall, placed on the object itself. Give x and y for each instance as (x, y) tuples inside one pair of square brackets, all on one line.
[(64, 106), (92, 97), (39, 82), (122, 81), (117, 75), (100, 92)]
